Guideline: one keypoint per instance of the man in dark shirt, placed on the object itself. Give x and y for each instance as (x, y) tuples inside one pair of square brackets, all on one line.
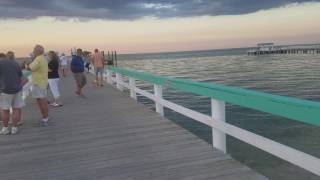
[(11, 84), (77, 67)]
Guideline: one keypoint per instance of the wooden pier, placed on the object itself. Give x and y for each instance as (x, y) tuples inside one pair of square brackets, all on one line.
[(269, 48), (110, 136)]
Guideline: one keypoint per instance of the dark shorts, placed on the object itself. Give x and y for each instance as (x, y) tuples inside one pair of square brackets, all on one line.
[(81, 79)]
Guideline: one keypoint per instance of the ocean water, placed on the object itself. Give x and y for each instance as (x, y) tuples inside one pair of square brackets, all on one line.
[(289, 75)]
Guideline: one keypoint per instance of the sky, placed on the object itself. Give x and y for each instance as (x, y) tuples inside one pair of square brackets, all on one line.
[(143, 26)]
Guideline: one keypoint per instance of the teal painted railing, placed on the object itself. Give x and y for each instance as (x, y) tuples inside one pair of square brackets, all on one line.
[(291, 108), (26, 73), (27, 87)]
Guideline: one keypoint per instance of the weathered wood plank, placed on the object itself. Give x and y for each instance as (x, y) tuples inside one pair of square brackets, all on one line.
[(109, 136)]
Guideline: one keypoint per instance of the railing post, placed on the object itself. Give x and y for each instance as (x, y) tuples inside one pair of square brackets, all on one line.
[(109, 76), (218, 114), (158, 95), (132, 83), (119, 80), (104, 75)]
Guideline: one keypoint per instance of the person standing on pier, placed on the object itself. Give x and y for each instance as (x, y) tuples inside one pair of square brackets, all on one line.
[(86, 59), (54, 78), (77, 67), (11, 56), (97, 61), (11, 84), (39, 69), (64, 64)]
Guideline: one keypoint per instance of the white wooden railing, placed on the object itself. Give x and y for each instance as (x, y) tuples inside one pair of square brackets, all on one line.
[(219, 126), (27, 88)]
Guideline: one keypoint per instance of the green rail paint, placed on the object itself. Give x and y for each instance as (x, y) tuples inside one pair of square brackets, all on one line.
[(300, 110)]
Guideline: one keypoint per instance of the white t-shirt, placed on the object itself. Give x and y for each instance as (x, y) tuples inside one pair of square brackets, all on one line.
[(64, 60)]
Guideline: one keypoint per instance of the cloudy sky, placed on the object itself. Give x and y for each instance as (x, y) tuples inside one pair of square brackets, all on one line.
[(133, 26)]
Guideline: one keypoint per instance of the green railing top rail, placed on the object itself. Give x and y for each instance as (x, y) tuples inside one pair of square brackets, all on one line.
[(300, 110), (26, 73)]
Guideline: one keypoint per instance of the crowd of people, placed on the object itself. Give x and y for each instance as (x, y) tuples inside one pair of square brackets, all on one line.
[(45, 74)]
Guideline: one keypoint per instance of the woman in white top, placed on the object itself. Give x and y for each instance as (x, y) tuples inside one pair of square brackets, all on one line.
[(53, 78)]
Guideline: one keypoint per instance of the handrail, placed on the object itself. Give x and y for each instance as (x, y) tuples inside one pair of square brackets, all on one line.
[(292, 108), (300, 110), (26, 73)]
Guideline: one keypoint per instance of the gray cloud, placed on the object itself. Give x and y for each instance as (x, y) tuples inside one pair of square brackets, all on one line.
[(133, 9)]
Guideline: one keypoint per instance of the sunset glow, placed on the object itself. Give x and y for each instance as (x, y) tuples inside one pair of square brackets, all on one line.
[(291, 24)]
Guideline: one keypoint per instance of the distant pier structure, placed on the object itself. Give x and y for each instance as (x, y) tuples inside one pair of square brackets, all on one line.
[(270, 48)]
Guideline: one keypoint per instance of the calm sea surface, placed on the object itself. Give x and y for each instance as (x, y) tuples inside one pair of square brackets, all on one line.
[(289, 75)]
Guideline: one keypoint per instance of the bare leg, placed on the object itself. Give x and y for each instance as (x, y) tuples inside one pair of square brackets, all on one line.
[(16, 117), (80, 91), (43, 106), (65, 72), (5, 116), (101, 79), (97, 80)]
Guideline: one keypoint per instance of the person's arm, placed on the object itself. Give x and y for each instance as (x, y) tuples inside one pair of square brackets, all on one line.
[(91, 59), (59, 62), (50, 67), (24, 81), (73, 64), (102, 61), (57, 65), (35, 65)]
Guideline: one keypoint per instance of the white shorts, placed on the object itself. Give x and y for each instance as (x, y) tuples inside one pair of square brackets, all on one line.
[(38, 92), (54, 87), (64, 66), (8, 101)]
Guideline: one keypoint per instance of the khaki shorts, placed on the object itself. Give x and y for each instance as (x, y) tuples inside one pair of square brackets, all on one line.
[(38, 92), (81, 79), (98, 71), (8, 101)]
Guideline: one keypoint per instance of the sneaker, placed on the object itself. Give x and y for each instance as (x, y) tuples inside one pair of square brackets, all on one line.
[(54, 104), (45, 121), (14, 130), (5, 131)]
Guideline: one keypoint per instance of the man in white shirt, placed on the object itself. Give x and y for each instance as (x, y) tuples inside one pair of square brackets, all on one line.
[(64, 64)]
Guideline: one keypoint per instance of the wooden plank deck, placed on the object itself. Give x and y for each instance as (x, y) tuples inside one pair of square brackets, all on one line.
[(109, 136)]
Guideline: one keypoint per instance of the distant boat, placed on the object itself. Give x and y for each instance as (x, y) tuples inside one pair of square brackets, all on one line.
[(270, 48)]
